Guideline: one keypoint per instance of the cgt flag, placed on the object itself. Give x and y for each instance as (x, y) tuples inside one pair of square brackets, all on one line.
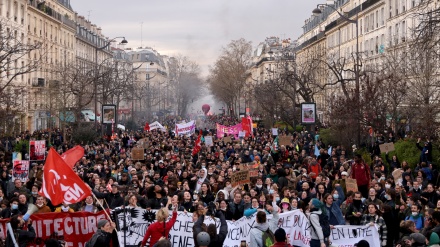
[(72, 155), (198, 144), (60, 183)]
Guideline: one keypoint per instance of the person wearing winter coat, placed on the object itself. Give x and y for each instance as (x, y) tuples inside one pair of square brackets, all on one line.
[(160, 228), (262, 224), (217, 239), (316, 234)]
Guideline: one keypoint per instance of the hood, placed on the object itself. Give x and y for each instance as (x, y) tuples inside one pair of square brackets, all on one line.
[(224, 192), (206, 174), (262, 226)]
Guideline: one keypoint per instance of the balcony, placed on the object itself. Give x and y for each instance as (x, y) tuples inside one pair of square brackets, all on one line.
[(41, 6), (38, 82)]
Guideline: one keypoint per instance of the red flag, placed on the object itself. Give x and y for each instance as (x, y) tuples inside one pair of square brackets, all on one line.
[(246, 124), (72, 155), (60, 183), (147, 126), (198, 144)]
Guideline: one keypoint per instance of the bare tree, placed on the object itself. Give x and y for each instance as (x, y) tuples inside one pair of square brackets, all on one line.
[(17, 58), (227, 76)]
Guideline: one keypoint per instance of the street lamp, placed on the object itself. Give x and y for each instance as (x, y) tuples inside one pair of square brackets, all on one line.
[(318, 12), (124, 41)]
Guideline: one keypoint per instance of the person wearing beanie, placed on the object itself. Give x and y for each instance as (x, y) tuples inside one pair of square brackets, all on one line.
[(103, 235), (417, 240), (281, 239), (434, 240), (316, 234)]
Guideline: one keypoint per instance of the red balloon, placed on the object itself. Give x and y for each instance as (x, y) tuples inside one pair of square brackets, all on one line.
[(206, 108)]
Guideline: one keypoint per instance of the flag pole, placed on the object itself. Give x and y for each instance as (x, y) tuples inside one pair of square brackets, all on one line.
[(102, 206)]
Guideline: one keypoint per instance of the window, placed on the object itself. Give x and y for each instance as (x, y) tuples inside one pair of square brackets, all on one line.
[(397, 7), (360, 27), (367, 19), (382, 16), (377, 18), (391, 7), (403, 31)]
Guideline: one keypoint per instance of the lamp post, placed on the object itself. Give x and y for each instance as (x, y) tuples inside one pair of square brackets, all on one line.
[(317, 12), (124, 41)]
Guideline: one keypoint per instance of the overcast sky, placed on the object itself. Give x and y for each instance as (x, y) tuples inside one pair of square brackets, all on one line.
[(196, 28)]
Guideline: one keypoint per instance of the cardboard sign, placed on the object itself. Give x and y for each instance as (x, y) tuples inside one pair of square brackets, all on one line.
[(240, 177), (227, 139), (386, 147), (284, 140), (137, 154), (351, 184), (253, 173)]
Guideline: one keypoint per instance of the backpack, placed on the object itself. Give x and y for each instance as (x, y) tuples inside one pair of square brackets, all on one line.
[(325, 225), (268, 238)]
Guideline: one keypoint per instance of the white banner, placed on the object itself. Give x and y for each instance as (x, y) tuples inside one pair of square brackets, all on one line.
[(186, 128), (157, 125), (295, 223)]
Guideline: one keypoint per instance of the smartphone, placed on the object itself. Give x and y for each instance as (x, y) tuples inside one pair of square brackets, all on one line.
[(243, 243)]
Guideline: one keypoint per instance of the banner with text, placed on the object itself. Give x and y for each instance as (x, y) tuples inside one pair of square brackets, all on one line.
[(186, 128), (228, 130), (37, 150), (74, 228)]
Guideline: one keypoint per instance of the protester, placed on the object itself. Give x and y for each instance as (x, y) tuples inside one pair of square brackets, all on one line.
[(20, 237), (263, 225), (281, 239), (160, 228), (103, 236)]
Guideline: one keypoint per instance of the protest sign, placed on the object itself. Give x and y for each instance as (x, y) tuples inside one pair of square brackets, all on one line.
[(228, 130), (386, 147), (351, 184), (350, 235), (284, 140), (274, 131), (241, 134), (20, 170), (227, 139), (157, 125), (240, 177), (208, 141), (137, 154), (37, 150), (186, 128), (74, 228), (397, 175), (253, 173)]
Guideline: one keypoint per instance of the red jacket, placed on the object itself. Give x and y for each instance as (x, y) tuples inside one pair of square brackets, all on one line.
[(361, 172), (155, 230)]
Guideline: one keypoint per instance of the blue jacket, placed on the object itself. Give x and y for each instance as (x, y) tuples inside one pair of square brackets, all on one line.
[(336, 207)]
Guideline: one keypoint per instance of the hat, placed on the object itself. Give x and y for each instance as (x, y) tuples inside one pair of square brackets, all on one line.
[(160, 161), (285, 200), (203, 239), (280, 235), (102, 223), (363, 243), (165, 178), (417, 237), (344, 174), (434, 239), (316, 203), (133, 169), (114, 185)]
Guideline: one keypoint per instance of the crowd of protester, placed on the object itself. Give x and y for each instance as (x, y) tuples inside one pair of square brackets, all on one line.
[(405, 207)]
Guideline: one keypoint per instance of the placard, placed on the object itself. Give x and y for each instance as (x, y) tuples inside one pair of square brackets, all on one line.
[(37, 150), (241, 134), (20, 170), (227, 139), (208, 141), (137, 154), (308, 113), (386, 147), (274, 131), (253, 173), (240, 177), (284, 140), (351, 184)]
